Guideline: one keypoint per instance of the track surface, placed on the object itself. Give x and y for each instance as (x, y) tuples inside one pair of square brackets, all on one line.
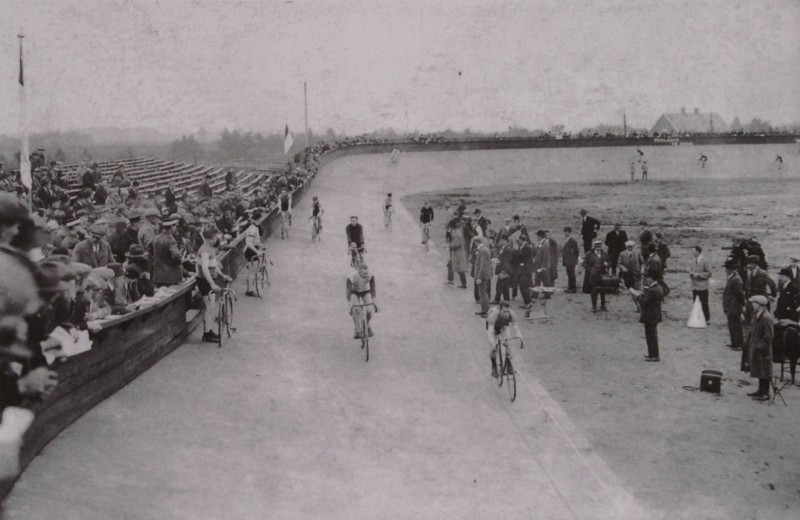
[(288, 422)]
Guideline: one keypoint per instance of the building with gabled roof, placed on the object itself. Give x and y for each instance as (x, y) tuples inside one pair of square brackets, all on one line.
[(690, 123)]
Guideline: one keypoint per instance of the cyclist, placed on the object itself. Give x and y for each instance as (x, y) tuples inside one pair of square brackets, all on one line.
[(316, 216), (355, 236), (426, 218), (285, 210), (500, 321), (387, 211), (207, 275), (252, 249), (361, 290)]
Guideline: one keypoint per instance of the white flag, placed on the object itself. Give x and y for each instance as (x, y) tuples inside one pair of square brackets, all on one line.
[(288, 140)]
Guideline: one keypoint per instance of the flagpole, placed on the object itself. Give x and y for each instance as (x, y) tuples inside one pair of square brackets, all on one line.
[(305, 98), (24, 155)]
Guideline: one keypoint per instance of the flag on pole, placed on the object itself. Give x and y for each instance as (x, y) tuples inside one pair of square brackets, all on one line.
[(24, 156), (288, 140)]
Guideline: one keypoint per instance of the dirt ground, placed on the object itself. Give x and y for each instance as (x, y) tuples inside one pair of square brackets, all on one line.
[(677, 449)]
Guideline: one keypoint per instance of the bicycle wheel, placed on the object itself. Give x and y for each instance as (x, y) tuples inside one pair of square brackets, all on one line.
[(499, 361), (257, 280), (263, 276), (220, 322), (228, 314), (511, 379), (365, 336)]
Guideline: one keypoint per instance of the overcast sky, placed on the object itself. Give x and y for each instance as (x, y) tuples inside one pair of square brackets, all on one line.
[(424, 65)]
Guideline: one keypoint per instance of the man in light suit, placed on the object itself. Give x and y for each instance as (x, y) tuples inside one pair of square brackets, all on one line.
[(699, 275)]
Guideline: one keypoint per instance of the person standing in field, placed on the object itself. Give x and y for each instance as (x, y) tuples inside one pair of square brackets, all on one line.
[(759, 346), (615, 241), (633, 170), (589, 228), (650, 303), (644, 170), (733, 304), (570, 254)]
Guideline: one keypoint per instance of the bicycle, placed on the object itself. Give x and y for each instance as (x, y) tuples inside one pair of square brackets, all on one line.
[(426, 233), (225, 312), (262, 273), (364, 330), (316, 228), (505, 367), (356, 255), (285, 224), (387, 219)]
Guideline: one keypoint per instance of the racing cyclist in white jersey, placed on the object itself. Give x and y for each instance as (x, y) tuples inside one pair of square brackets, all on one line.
[(361, 290), (252, 248)]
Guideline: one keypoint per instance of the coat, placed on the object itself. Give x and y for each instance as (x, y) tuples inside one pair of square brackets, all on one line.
[(458, 251), (166, 260), (615, 241), (483, 264), (758, 283), (570, 252), (631, 261), (542, 259), (85, 254), (553, 260), (733, 296), (700, 274), (759, 346), (524, 259), (650, 303), (596, 265), (589, 228), (506, 261)]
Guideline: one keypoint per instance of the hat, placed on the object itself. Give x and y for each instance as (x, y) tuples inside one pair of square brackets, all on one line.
[(541, 234), (97, 229), (630, 243), (151, 212), (476, 211), (116, 268), (642, 222), (731, 264), (786, 271), (795, 257), (48, 279), (659, 235), (597, 242), (583, 212), (58, 214), (135, 251), (169, 222), (752, 259), (62, 258), (761, 300), (103, 273), (134, 214)]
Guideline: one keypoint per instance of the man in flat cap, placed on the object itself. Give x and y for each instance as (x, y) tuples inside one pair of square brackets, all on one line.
[(758, 282), (759, 346), (95, 250)]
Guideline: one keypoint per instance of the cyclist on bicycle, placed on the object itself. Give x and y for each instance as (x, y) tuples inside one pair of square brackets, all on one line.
[(361, 290), (252, 249), (500, 321), (285, 206), (316, 215), (208, 274), (426, 218), (387, 210), (355, 236)]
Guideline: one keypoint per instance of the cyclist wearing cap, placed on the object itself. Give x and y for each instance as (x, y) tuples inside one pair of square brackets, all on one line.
[(207, 275), (252, 248), (285, 200), (500, 322), (316, 215), (355, 236)]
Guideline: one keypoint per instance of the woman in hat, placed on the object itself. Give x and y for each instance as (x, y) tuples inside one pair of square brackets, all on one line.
[(759, 346)]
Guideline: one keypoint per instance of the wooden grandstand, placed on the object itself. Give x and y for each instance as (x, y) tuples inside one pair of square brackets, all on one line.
[(155, 175)]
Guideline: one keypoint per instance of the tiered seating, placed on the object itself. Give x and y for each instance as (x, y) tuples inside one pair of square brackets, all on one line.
[(155, 175)]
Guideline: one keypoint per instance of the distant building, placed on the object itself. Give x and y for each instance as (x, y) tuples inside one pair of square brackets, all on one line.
[(693, 123)]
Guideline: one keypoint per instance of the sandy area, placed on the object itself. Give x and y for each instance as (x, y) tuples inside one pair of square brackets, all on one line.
[(692, 453)]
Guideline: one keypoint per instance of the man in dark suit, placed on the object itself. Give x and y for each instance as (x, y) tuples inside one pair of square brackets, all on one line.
[(554, 250), (733, 304), (759, 346), (645, 236), (569, 255), (650, 304), (596, 264), (482, 221), (170, 200), (524, 270), (166, 256), (94, 251), (788, 302), (615, 242), (757, 283), (589, 228), (541, 261), (662, 250), (504, 270)]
